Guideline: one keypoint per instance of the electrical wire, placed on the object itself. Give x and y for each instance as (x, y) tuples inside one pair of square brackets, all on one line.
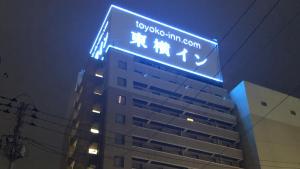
[(235, 52), (34, 109), (250, 34), (159, 155), (130, 149), (226, 34), (248, 37), (57, 131)]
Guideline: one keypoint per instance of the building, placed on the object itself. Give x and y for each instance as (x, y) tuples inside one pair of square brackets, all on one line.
[(270, 125), (145, 105)]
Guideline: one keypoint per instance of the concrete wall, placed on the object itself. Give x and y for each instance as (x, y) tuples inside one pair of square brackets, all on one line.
[(126, 150), (271, 132)]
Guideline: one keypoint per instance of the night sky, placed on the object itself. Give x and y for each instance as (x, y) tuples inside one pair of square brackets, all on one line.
[(43, 44)]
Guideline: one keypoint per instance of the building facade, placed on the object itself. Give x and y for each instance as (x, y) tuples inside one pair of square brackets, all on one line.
[(270, 125), (139, 112)]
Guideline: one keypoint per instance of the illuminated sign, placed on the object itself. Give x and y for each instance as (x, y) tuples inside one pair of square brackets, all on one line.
[(141, 36)]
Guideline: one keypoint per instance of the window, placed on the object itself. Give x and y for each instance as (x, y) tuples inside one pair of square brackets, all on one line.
[(121, 100), (119, 139), (190, 119), (122, 65), (72, 164), (94, 129), (96, 109), (119, 161), (120, 119), (99, 73), (121, 82), (98, 91), (91, 167), (74, 141), (93, 149)]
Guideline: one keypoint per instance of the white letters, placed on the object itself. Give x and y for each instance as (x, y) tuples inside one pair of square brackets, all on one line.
[(199, 63), (183, 54), (162, 47), (138, 39)]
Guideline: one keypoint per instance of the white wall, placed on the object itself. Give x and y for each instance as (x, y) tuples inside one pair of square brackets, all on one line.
[(272, 130)]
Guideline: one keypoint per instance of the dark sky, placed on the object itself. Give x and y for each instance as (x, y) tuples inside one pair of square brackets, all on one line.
[(43, 44)]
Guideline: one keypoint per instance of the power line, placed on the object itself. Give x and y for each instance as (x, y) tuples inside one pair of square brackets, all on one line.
[(269, 112), (53, 115), (14, 147), (238, 20), (34, 108), (7, 119), (245, 42), (251, 34), (225, 35), (62, 154), (210, 52), (35, 117), (48, 147), (128, 149), (46, 150), (85, 138), (248, 37), (289, 22), (231, 28), (62, 118), (56, 131), (130, 136), (65, 134), (242, 44)]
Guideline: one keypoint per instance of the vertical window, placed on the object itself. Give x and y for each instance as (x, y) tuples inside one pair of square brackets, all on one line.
[(81, 89), (74, 141), (120, 118), (121, 100), (78, 106), (122, 65), (121, 82), (119, 139), (119, 161), (76, 124), (72, 164)]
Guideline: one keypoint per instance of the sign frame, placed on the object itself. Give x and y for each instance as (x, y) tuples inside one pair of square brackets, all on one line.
[(97, 51)]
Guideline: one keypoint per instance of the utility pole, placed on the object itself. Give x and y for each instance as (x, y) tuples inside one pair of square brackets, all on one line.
[(14, 147)]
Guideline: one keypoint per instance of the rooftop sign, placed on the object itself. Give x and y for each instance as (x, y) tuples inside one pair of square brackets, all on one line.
[(144, 37)]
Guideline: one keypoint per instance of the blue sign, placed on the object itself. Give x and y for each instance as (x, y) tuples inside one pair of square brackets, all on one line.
[(144, 37)]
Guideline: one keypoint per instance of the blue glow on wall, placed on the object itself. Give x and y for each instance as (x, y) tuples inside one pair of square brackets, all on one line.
[(144, 37)]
